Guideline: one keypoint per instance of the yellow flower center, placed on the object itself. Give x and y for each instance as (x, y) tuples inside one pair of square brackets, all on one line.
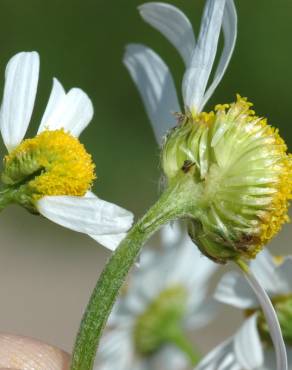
[(52, 163)]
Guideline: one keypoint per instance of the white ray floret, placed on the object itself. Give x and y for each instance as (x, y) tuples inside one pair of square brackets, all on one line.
[(73, 109), (173, 24), (198, 56), (21, 80), (156, 86)]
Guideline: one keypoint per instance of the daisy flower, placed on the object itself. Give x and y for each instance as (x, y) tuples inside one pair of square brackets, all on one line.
[(250, 348), (51, 174), (230, 170), (164, 298)]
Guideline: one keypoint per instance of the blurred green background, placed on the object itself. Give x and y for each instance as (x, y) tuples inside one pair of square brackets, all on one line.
[(47, 272)]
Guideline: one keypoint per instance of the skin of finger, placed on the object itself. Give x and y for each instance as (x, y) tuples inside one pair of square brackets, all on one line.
[(21, 353)]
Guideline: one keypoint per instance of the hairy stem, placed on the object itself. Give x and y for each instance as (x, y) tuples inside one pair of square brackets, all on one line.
[(170, 206), (271, 317)]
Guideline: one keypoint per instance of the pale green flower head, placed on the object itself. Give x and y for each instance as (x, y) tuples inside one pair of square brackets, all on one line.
[(245, 175)]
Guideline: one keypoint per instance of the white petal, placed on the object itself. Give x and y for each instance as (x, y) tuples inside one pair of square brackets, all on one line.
[(120, 316), (270, 358), (56, 97), (173, 24), (21, 80), (214, 359), (109, 241), (197, 74), (156, 87), (172, 235), (265, 270), (161, 270), (89, 215), (194, 269), (271, 319), (229, 363), (233, 289), (72, 112), (201, 313), (170, 358), (247, 345), (284, 274), (230, 34), (115, 351), (148, 281)]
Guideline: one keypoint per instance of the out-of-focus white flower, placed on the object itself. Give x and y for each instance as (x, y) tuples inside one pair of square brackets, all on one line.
[(52, 173), (164, 298), (250, 348), (152, 76)]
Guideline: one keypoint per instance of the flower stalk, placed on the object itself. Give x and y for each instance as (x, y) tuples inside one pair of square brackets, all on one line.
[(172, 204)]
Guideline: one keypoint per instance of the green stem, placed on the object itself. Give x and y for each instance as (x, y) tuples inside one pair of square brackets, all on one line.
[(170, 206), (180, 341)]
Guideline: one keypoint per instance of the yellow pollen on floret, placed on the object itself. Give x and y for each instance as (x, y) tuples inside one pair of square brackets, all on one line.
[(243, 104), (221, 107), (278, 214), (205, 118), (278, 260), (60, 162), (277, 211)]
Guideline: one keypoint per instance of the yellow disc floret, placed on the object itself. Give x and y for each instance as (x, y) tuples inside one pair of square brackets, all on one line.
[(245, 173), (52, 163)]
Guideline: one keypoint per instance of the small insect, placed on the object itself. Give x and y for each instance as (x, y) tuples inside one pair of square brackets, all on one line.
[(187, 166), (181, 118)]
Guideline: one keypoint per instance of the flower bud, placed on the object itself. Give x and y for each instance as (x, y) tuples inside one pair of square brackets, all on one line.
[(244, 171)]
